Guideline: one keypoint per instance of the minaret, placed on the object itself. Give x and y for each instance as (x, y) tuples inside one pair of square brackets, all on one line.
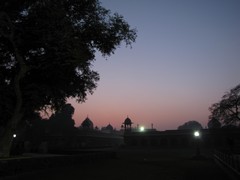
[(127, 124)]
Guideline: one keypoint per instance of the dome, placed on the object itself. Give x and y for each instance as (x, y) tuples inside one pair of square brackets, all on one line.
[(87, 123), (109, 127), (127, 121)]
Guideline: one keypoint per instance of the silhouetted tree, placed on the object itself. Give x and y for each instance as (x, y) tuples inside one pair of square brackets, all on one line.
[(61, 122), (214, 124), (227, 110), (47, 48), (35, 130), (229, 126), (190, 125)]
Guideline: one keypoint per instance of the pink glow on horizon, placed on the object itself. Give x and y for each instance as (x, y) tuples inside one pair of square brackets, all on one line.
[(185, 58), (162, 117)]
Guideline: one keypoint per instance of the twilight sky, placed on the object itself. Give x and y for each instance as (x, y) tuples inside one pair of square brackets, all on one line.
[(186, 56)]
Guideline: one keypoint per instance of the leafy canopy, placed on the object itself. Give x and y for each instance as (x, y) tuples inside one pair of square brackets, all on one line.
[(190, 125), (55, 41), (227, 110)]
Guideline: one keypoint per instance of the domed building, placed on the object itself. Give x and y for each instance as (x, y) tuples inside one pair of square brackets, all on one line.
[(127, 124), (87, 124), (109, 127)]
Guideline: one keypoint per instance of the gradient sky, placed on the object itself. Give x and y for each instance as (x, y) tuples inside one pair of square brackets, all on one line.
[(186, 56)]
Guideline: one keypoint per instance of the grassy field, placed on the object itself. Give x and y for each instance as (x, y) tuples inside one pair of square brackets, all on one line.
[(139, 164)]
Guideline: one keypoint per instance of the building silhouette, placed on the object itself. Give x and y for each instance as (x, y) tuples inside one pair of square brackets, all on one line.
[(41, 140), (87, 124), (127, 124)]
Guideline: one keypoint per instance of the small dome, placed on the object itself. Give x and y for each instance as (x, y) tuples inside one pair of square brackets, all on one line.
[(109, 127), (127, 121), (87, 123)]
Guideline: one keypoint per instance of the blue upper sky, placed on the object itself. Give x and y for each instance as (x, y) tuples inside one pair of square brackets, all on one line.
[(186, 56)]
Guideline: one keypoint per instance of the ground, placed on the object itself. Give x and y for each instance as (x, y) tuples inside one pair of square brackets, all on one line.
[(138, 164)]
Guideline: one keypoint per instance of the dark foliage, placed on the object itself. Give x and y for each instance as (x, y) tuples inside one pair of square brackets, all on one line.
[(48, 47), (227, 110), (61, 122), (194, 125), (214, 124)]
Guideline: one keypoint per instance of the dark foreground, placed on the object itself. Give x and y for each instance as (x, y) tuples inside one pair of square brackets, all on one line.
[(144, 164)]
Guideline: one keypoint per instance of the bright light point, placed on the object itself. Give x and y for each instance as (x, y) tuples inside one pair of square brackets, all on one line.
[(14, 135), (196, 134), (142, 128)]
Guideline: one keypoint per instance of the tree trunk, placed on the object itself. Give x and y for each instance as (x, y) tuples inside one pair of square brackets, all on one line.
[(6, 143), (6, 140)]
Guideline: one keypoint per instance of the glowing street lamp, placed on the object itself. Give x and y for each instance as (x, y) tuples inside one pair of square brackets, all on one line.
[(14, 135), (197, 137), (141, 128), (196, 134)]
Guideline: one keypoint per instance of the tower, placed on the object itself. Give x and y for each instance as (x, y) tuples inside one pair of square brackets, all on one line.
[(127, 124)]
